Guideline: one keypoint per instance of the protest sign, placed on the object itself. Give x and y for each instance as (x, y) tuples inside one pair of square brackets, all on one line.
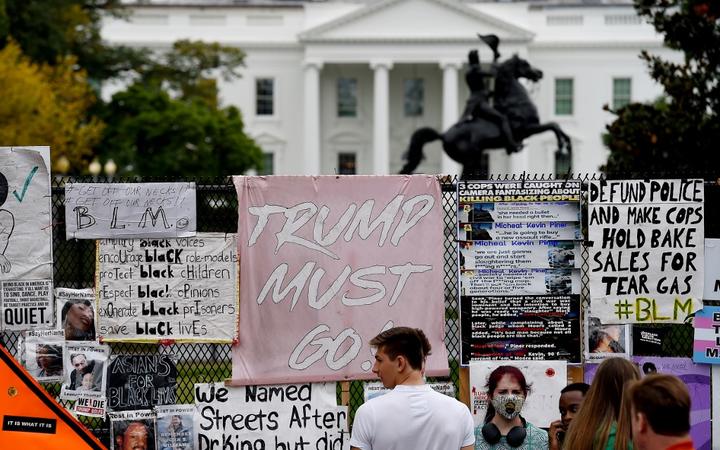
[(182, 289), (520, 327), (129, 210), (27, 304), (372, 389), (661, 339), (86, 364), (520, 260), (520, 282), (141, 381), (711, 289), (132, 429), (91, 406), (174, 426), (697, 379), (540, 408), (706, 348), (605, 340), (275, 417), (647, 250), (76, 313), (25, 238), (520, 255), (329, 262), (42, 354)]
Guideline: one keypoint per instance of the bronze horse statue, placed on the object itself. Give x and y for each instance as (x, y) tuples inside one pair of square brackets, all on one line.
[(465, 141)]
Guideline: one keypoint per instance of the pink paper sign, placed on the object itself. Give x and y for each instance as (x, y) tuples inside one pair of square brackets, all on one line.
[(327, 263)]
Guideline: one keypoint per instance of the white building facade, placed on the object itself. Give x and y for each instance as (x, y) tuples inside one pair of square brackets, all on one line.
[(339, 86)]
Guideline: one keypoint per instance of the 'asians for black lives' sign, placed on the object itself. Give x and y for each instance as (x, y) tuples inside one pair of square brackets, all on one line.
[(272, 417), (180, 288), (141, 381), (647, 251)]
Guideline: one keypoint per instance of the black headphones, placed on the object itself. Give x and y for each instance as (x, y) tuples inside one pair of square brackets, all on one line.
[(515, 437)]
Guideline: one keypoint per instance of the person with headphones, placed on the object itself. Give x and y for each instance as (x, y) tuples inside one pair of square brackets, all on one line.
[(504, 427)]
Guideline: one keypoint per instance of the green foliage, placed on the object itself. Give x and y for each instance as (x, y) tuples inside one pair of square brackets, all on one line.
[(678, 133), (48, 30), (46, 105), (150, 133), (167, 122)]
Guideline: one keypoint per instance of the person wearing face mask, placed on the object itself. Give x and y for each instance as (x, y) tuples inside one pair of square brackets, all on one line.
[(504, 427), (571, 397)]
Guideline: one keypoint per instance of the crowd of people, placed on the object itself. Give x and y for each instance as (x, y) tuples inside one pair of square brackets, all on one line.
[(618, 411)]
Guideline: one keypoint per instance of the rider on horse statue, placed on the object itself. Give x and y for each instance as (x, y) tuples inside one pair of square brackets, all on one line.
[(478, 105), (512, 117)]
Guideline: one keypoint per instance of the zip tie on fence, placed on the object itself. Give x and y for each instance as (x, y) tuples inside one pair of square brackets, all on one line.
[(166, 342)]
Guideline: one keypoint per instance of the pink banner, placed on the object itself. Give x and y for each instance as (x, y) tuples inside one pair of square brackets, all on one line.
[(327, 263)]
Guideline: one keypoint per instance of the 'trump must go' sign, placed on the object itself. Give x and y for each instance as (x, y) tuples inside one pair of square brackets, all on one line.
[(327, 263)]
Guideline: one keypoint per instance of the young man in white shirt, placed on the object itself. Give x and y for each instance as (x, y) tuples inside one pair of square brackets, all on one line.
[(412, 415)]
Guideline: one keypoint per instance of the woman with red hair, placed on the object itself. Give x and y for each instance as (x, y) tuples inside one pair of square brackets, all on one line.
[(504, 427)]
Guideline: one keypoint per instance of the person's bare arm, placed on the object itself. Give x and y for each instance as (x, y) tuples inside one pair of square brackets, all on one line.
[(468, 447), (354, 448)]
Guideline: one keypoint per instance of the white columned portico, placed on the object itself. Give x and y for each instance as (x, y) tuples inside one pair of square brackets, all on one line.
[(311, 139), (381, 116), (449, 109)]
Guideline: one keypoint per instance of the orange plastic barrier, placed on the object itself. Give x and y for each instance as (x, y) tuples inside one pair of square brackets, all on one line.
[(31, 418)]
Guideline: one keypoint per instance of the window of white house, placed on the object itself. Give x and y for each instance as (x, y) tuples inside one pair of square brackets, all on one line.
[(563, 96), (347, 97), (264, 96), (268, 164), (622, 88), (346, 164), (414, 97)]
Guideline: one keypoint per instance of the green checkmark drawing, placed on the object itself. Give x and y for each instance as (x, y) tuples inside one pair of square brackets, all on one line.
[(25, 186)]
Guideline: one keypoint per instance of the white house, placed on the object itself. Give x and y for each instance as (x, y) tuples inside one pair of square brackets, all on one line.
[(339, 86)]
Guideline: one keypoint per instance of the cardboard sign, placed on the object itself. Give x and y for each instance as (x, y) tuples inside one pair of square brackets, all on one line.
[(129, 210), (647, 250), (270, 417), (141, 381), (181, 289)]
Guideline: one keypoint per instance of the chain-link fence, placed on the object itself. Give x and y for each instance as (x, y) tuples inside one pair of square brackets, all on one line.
[(74, 267)]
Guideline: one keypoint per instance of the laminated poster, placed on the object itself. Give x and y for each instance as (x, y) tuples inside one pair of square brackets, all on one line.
[(175, 428), (42, 354), (132, 429)]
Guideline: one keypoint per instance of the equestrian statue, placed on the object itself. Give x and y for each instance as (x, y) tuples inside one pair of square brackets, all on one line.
[(503, 124)]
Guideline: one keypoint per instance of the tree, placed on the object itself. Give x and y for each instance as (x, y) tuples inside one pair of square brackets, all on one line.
[(679, 132), (168, 122), (49, 30), (180, 83), (46, 105)]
